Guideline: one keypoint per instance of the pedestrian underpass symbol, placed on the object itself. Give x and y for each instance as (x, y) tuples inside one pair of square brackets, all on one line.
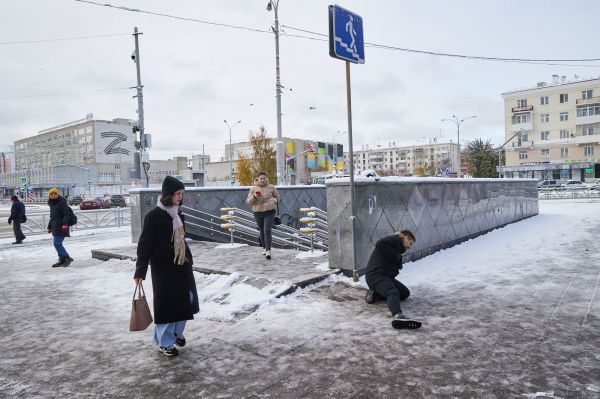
[(346, 40)]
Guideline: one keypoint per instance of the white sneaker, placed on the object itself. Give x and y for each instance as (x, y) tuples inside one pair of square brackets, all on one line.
[(268, 254), (264, 252)]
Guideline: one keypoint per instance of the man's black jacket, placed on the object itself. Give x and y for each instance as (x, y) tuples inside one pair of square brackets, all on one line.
[(386, 258)]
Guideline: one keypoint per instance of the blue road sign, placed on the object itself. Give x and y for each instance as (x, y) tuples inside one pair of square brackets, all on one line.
[(346, 40)]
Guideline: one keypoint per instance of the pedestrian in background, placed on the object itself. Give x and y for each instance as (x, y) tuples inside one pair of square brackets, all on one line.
[(263, 198), (58, 226), (162, 245), (17, 216)]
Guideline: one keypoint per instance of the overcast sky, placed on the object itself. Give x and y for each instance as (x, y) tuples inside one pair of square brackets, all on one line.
[(195, 75)]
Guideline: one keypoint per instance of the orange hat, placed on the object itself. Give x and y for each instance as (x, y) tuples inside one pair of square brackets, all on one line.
[(52, 191)]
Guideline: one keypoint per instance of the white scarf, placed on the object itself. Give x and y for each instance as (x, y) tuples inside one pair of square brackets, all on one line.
[(178, 233)]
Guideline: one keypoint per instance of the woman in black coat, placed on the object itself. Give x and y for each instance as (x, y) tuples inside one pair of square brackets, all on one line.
[(58, 226), (162, 245)]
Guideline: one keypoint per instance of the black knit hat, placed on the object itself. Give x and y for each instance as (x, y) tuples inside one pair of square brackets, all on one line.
[(170, 185)]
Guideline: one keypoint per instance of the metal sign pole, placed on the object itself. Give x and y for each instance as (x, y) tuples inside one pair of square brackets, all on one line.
[(346, 42), (351, 158)]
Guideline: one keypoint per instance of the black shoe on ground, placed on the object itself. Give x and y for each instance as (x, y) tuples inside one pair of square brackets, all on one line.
[(180, 341), (60, 263), (18, 242), (373, 297), (67, 261), (168, 352), (403, 322)]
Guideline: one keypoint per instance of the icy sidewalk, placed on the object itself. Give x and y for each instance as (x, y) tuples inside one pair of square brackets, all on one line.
[(512, 314), (288, 269)]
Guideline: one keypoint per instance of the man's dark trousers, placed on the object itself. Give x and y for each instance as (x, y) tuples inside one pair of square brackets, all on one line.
[(390, 289), (19, 236)]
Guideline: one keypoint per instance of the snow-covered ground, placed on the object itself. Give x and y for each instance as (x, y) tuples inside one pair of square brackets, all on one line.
[(513, 313)]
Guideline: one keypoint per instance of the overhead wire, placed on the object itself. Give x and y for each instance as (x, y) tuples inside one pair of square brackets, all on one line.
[(224, 25), (65, 38), (62, 93)]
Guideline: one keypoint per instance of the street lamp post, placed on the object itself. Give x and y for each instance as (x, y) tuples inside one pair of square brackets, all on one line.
[(273, 5), (454, 119), (231, 149), (500, 151)]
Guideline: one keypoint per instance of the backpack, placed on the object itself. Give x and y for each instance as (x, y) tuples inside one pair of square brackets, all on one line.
[(72, 216)]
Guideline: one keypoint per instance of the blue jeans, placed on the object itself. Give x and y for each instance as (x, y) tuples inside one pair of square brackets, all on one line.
[(58, 245), (166, 333)]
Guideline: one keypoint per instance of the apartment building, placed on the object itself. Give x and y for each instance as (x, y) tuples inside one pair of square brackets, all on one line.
[(553, 130), (431, 157)]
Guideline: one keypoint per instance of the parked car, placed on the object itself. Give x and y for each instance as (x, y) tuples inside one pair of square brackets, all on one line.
[(548, 184), (95, 203), (594, 185), (573, 184), (75, 200), (117, 200)]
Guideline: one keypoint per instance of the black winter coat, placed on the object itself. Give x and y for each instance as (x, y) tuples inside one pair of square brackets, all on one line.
[(17, 212), (59, 216), (171, 283), (386, 258)]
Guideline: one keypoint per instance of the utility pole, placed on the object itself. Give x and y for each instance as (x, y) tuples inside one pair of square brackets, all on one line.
[(281, 167), (140, 110)]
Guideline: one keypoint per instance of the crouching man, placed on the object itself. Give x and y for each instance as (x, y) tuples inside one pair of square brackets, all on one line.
[(383, 267)]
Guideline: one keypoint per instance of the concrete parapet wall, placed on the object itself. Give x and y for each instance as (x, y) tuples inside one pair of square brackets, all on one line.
[(440, 212), (212, 199)]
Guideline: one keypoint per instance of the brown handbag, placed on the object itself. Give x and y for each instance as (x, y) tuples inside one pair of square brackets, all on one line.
[(141, 317)]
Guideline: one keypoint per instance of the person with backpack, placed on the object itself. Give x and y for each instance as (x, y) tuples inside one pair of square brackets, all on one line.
[(17, 216), (58, 226)]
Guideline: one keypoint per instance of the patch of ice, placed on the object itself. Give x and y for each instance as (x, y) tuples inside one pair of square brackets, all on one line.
[(308, 254), (230, 246), (541, 395)]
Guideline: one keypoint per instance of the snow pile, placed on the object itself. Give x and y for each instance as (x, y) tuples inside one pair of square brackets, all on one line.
[(230, 246), (308, 254), (224, 298)]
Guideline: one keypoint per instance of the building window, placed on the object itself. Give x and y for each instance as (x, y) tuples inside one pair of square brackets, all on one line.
[(588, 150), (522, 154), (564, 98), (564, 116), (545, 153), (545, 118), (588, 110), (524, 136), (521, 118), (545, 135), (588, 131), (564, 133), (564, 152), (585, 94), (544, 100), (521, 103)]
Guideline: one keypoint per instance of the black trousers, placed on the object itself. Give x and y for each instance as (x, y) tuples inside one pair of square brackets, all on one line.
[(390, 289), (264, 220), (19, 236)]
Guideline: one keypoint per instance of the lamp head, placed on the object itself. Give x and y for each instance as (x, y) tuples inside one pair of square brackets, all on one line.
[(269, 6)]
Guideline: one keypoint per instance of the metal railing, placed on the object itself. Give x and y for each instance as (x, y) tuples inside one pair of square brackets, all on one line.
[(246, 230), (37, 222), (568, 192)]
